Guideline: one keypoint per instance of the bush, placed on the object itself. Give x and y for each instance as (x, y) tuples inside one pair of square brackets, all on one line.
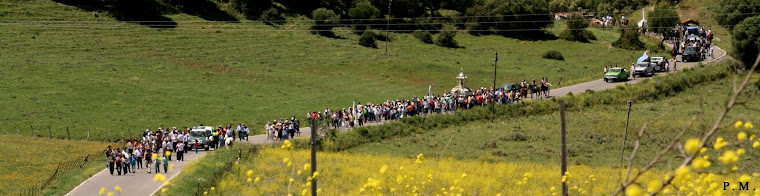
[(732, 12), (363, 10), (629, 39), (662, 19), (271, 16), (746, 40), (368, 39), (424, 36), (446, 38), (324, 20), (503, 11), (576, 29), (553, 54)]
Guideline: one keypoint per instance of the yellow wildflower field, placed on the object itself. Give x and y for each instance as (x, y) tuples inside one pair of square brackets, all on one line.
[(358, 174)]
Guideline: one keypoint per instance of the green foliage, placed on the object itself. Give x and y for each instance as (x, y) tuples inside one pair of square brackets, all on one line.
[(576, 29), (629, 39), (324, 21), (446, 39), (662, 19), (605, 6), (553, 54), (207, 170), (363, 10), (501, 11), (424, 36), (732, 12), (368, 39), (746, 40), (272, 16)]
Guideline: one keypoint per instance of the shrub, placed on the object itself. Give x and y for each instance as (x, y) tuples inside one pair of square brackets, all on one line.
[(271, 16), (553, 54), (746, 40), (576, 29), (508, 10), (424, 36), (363, 10), (368, 39), (629, 39), (732, 12), (446, 38), (324, 20), (662, 19)]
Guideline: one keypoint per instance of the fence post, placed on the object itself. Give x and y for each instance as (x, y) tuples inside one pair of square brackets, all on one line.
[(31, 128), (314, 130), (69, 133), (88, 134), (110, 138), (563, 158), (50, 133)]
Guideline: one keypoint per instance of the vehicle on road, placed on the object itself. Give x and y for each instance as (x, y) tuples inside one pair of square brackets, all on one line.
[(644, 69), (510, 86), (616, 74), (201, 134), (691, 54), (659, 63)]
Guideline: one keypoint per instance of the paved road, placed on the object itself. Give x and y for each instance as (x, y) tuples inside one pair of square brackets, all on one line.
[(141, 183)]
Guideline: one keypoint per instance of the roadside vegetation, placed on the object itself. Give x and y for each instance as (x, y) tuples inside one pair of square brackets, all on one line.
[(30, 162)]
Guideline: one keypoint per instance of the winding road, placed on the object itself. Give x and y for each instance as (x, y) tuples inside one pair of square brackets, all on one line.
[(141, 182)]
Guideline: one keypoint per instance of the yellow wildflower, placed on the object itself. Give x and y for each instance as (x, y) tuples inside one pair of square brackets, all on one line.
[(745, 178), (464, 175), (752, 137), (702, 150), (110, 193), (741, 136), (306, 167), (205, 192), (633, 190), (738, 124), (691, 146), (249, 180), (654, 186), (384, 169), (419, 159), (700, 162), (249, 173), (212, 188), (316, 173), (167, 183), (720, 143), (729, 157), (163, 190), (740, 151), (256, 180), (154, 156), (748, 125), (756, 144), (159, 177), (168, 153), (102, 191)]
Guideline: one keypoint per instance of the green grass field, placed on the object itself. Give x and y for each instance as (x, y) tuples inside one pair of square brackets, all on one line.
[(109, 75), (27, 162), (595, 134)]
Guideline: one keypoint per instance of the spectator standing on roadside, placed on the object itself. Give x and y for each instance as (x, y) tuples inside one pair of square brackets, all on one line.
[(180, 151), (633, 71)]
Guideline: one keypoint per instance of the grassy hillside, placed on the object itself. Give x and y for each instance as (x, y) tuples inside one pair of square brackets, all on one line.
[(83, 70), (27, 162), (595, 134)]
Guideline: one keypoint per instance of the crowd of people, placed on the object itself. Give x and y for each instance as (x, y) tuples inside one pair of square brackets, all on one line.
[(157, 148)]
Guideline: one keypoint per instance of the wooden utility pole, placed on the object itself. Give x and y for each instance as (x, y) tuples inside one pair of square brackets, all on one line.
[(625, 137), (388, 27), (69, 133), (50, 133), (314, 128), (564, 144), (493, 98), (32, 128)]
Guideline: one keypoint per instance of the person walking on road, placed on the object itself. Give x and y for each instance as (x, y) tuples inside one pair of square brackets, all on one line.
[(166, 165), (633, 71), (158, 164), (180, 151)]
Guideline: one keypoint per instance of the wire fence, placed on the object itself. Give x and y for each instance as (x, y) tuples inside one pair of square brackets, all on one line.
[(242, 155), (65, 167)]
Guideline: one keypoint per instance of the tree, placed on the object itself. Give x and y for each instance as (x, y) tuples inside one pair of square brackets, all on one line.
[(363, 10), (499, 13), (446, 37), (324, 20), (662, 19), (629, 39), (746, 40), (576, 29), (731, 12)]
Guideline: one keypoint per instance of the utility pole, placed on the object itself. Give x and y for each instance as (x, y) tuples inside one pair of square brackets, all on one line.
[(493, 98), (314, 128), (563, 156), (622, 153), (388, 27)]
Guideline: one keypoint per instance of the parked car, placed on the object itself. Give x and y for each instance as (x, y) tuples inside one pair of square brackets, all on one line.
[(510, 86), (616, 74), (644, 69), (659, 63), (691, 54), (201, 134)]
